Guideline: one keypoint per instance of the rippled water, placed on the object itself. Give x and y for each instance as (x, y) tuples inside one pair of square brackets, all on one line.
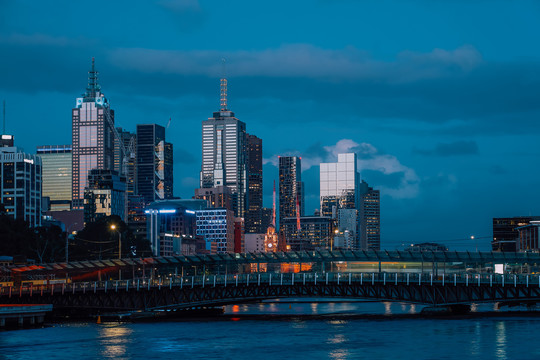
[(295, 337)]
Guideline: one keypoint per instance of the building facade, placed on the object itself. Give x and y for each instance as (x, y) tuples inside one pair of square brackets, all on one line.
[(255, 185), (315, 233), (505, 232), (56, 175), (216, 226), (224, 154), (339, 185), (21, 184), (128, 141), (105, 195), (172, 229), (92, 137), (154, 163), (370, 218), (291, 187), (529, 236), (217, 197)]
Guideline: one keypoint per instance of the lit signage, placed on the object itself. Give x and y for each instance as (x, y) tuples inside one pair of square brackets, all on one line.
[(190, 212), (167, 211), (30, 161)]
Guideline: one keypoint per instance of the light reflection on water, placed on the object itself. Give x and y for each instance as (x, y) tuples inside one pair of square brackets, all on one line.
[(500, 340), (114, 339)]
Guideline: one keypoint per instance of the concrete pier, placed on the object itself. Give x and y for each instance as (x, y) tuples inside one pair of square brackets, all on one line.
[(23, 315)]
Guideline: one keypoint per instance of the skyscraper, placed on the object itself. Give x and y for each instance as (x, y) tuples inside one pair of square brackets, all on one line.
[(224, 154), (339, 185), (104, 195), (291, 187), (20, 184), (57, 162), (154, 163), (370, 217), (92, 136), (253, 222), (129, 141)]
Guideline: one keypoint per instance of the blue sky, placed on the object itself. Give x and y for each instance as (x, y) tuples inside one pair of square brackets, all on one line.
[(440, 99)]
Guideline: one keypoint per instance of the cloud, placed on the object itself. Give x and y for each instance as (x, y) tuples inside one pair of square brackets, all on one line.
[(394, 179), (458, 148), (302, 61)]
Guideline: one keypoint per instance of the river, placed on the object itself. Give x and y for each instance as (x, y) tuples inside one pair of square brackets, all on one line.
[(289, 330)]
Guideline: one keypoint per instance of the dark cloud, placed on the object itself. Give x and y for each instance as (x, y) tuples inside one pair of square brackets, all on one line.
[(377, 179), (458, 148)]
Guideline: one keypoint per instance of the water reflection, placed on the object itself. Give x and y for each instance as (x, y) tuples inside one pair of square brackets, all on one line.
[(339, 354), (500, 340), (387, 308), (113, 340), (476, 339)]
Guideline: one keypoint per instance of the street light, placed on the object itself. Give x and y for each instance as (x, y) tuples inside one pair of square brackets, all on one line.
[(113, 227), (475, 244)]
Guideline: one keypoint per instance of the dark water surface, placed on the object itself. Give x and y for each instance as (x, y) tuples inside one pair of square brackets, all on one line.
[(300, 337)]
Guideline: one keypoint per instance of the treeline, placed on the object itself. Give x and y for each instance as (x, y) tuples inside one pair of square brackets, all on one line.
[(48, 244)]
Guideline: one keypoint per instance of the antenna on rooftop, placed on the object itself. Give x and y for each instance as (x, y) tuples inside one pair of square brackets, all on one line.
[(4, 119), (223, 87)]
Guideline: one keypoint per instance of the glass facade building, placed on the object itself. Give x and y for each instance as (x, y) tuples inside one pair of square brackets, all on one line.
[(315, 233), (92, 137), (154, 163), (339, 185), (127, 138), (20, 185), (253, 223), (216, 226), (56, 175), (370, 218), (291, 187), (105, 195)]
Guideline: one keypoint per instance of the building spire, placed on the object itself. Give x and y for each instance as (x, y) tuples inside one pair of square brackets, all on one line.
[(223, 88), (274, 206), (93, 86)]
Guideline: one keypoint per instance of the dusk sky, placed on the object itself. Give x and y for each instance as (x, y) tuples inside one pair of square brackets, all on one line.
[(439, 98)]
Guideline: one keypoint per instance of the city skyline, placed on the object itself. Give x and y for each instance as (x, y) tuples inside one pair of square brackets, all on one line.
[(443, 121)]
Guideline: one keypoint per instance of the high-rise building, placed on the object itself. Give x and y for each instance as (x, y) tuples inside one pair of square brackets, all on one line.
[(224, 154), (172, 228), (291, 187), (56, 178), (92, 136), (128, 142), (154, 163), (217, 197), (339, 185), (370, 218), (20, 184), (255, 181), (315, 233), (217, 228), (105, 195)]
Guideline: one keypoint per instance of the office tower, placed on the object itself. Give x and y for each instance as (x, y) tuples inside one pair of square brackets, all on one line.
[(105, 195), (346, 236), (315, 233), (224, 154), (216, 226), (20, 184), (154, 163), (56, 175), (339, 185), (217, 197), (129, 170), (172, 228), (267, 218), (529, 236), (370, 218), (255, 183), (239, 235), (291, 187), (92, 136)]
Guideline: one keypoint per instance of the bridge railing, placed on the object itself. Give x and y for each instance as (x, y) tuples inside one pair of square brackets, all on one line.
[(278, 279)]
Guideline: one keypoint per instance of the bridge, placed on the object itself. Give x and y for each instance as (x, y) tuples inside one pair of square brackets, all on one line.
[(177, 293), (187, 282)]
